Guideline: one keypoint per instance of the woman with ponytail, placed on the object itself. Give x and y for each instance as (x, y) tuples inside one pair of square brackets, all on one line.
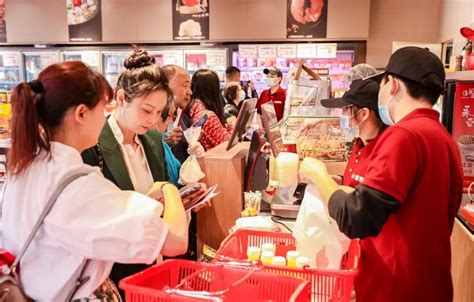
[(55, 118)]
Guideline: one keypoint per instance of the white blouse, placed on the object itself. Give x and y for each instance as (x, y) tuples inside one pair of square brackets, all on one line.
[(135, 160), (91, 219)]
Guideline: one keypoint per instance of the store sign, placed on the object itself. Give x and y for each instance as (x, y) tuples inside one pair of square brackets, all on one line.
[(215, 58), (190, 20), (84, 19), (3, 26), (326, 50), (267, 51), (306, 19), (248, 51), (306, 51), (463, 129), (286, 51)]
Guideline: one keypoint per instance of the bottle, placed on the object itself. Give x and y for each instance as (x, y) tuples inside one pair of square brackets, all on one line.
[(458, 66), (302, 262), (267, 257), (279, 261), (291, 257), (268, 247), (253, 253)]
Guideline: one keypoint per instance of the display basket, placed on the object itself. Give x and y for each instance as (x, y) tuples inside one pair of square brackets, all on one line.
[(182, 280), (325, 285)]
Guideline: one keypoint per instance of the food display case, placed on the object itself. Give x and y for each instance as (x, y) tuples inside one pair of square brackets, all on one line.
[(287, 57), (112, 65), (36, 61), (325, 141), (10, 70), (90, 57), (213, 59)]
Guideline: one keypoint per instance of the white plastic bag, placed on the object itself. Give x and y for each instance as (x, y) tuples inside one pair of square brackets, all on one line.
[(190, 171), (317, 234)]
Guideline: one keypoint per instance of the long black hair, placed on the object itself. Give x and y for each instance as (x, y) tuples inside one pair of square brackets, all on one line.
[(205, 87)]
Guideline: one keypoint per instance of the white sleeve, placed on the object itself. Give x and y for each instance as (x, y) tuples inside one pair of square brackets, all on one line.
[(95, 219)]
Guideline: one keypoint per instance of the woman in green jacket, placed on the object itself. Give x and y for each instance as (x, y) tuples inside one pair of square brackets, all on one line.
[(130, 151)]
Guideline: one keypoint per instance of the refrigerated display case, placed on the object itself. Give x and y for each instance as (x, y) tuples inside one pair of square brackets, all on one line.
[(36, 61), (112, 65), (10, 70), (165, 57), (213, 59), (90, 57), (252, 66)]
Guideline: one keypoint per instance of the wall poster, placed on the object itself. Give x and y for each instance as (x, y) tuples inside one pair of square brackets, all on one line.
[(306, 19), (84, 19), (190, 20)]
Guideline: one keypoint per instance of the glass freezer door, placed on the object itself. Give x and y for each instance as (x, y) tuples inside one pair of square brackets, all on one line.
[(112, 65), (10, 70), (213, 59), (35, 62), (91, 58)]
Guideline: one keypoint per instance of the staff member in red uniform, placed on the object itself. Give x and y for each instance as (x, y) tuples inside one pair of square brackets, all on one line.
[(405, 206), (275, 93), (361, 119)]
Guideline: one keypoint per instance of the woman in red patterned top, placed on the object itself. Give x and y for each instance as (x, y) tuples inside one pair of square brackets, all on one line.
[(207, 100)]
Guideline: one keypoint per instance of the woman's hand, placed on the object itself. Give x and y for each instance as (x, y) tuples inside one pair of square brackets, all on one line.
[(174, 137), (195, 196)]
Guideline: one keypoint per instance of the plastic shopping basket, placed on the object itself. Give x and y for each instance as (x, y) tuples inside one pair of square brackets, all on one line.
[(326, 285), (182, 280)]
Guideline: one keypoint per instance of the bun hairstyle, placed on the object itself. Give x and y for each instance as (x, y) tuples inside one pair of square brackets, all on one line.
[(142, 77), (39, 107), (138, 59)]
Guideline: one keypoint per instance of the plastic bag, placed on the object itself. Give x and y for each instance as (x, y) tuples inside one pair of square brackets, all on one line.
[(317, 234), (190, 170)]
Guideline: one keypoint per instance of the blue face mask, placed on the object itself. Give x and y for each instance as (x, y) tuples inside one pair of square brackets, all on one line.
[(383, 109), (346, 127)]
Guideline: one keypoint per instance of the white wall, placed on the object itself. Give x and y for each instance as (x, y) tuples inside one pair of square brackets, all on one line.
[(400, 20), (454, 15)]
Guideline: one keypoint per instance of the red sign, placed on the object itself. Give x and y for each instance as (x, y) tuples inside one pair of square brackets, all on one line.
[(463, 128)]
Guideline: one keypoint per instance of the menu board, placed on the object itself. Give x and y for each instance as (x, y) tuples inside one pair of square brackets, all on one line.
[(326, 50), (165, 57), (91, 58), (306, 19), (84, 19), (3, 26), (463, 128), (190, 20)]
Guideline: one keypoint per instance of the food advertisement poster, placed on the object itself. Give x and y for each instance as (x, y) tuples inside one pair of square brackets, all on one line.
[(84, 19), (190, 20), (306, 19), (3, 26), (463, 128)]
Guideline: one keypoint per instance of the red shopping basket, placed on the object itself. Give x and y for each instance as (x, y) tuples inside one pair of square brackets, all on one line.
[(181, 280), (326, 285)]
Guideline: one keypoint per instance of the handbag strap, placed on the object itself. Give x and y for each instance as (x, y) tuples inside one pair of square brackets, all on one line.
[(49, 205)]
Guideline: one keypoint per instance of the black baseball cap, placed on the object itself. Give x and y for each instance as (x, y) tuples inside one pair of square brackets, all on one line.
[(361, 93), (415, 64), (273, 70)]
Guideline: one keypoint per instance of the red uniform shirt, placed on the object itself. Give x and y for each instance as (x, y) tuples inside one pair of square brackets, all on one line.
[(278, 99), (417, 162), (356, 167)]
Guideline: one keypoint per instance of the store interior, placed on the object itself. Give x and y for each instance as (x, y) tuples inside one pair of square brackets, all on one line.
[(258, 200)]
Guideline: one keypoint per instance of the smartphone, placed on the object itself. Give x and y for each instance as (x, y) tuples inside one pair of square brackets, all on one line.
[(189, 189), (201, 121)]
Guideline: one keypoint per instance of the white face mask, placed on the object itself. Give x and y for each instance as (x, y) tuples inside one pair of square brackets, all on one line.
[(241, 96), (271, 81)]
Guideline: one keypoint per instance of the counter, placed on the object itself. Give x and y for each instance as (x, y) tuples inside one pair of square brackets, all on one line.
[(462, 262)]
